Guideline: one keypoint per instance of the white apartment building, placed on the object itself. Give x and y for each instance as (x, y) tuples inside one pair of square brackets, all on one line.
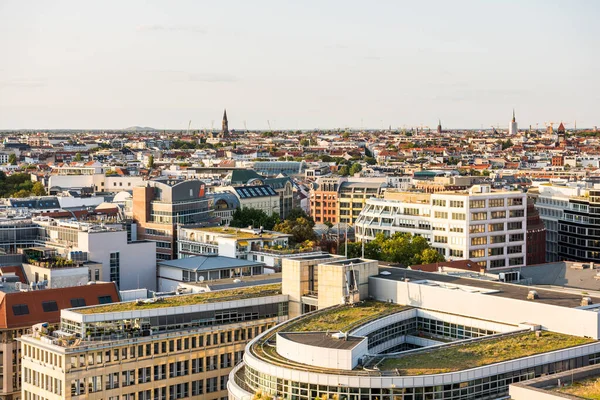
[(130, 264), (486, 226)]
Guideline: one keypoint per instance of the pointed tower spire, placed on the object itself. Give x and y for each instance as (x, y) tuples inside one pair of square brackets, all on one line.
[(225, 124), (514, 119)]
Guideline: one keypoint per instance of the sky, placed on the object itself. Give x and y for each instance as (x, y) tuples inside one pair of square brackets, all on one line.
[(298, 64)]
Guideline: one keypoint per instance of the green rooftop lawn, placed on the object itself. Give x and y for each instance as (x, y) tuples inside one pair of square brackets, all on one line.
[(476, 354), (237, 233), (586, 389), (186, 300), (346, 318)]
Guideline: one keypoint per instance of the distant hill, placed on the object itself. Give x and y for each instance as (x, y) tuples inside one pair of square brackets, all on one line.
[(139, 128)]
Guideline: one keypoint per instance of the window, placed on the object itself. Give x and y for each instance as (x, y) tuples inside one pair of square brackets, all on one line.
[(49, 306), (20, 309), (496, 251), (439, 202), (104, 299), (477, 228), (457, 204), (497, 239), (476, 241), (479, 216), (497, 263), (477, 253), (496, 203), (496, 227), (517, 201), (516, 213), (514, 249), (456, 253), (517, 237), (459, 216), (511, 226), (477, 203), (440, 239), (441, 214), (115, 268), (498, 214), (515, 261), (79, 302)]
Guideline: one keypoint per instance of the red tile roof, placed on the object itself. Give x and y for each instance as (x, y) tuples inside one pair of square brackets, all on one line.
[(62, 296)]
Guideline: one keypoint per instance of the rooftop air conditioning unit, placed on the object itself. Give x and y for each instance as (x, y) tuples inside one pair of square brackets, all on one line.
[(532, 295), (586, 301)]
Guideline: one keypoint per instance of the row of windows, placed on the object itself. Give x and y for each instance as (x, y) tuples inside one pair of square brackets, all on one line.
[(494, 386), (164, 347), (171, 392)]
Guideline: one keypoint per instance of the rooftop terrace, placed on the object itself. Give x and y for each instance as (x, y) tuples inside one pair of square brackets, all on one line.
[(240, 233), (186, 300), (584, 389)]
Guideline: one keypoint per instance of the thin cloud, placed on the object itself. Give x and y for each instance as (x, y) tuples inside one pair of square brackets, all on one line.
[(171, 28)]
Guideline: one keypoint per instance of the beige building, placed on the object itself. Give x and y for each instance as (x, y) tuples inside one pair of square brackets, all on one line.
[(170, 348), (317, 282)]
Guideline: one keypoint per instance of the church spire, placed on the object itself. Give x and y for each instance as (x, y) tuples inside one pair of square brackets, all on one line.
[(514, 119), (225, 124)]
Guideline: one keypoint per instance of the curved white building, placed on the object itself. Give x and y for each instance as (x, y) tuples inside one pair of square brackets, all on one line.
[(432, 337)]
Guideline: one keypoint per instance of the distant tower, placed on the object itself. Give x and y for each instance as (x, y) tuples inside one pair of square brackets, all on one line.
[(439, 127), (225, 125), (561, 133), (513, 125)]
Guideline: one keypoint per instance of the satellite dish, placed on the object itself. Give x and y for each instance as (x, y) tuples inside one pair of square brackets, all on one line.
[(201, 278)]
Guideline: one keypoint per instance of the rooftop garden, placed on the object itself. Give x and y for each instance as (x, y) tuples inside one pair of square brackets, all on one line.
[(345, 318), (585, 389), (479, 353), (237, 233), (187, 300)]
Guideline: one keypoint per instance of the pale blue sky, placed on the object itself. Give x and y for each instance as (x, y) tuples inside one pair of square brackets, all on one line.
[(299, 64)]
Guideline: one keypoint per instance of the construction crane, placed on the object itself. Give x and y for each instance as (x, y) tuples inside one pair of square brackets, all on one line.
[(245, 127), (189, 125), (269, 123)]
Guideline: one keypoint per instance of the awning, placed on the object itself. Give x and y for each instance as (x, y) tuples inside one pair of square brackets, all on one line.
[(243, 243)]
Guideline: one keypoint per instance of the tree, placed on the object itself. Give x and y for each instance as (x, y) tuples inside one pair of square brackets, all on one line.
[(244, 217), (355, 168), (78, 157), (301, 229), (328, 224), (346, 135), (370, 160), (151, 161), (12, 159), (305, 142), (344, 171), (402, 248), (38, 189)]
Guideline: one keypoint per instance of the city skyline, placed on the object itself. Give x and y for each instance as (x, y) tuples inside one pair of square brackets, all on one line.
[(311, 66)]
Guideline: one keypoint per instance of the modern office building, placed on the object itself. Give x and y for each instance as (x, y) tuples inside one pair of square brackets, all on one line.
[(336, 199), (551, 200), (160, 205), (488, 227), (267, 247), (259, 197), (579, 229), (130, 264), (171, 274), (21, 307), (162, 348), (406, 343)]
